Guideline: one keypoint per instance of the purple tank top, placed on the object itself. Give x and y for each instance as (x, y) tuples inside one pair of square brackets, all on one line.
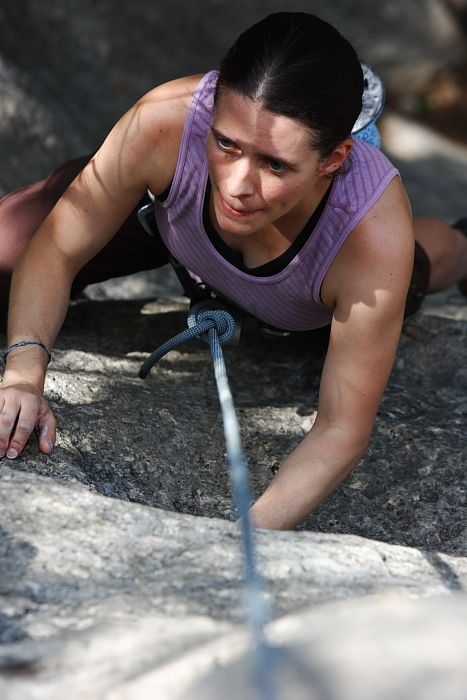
[(289, 299)]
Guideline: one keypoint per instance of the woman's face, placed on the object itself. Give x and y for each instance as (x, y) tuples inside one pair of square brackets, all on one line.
[(261, 166)]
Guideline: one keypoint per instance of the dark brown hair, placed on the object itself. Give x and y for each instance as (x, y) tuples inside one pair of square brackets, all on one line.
[(297, 65)]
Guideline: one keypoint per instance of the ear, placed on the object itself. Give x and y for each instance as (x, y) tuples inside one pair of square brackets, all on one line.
[(333, 162)]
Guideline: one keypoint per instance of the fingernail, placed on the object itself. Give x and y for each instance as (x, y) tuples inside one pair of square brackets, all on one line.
[(11, 453), (49, 445)]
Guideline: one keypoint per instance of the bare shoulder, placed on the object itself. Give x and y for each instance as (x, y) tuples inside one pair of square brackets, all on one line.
[(378, 253), (162, 113), (142, 149), (172, 98)]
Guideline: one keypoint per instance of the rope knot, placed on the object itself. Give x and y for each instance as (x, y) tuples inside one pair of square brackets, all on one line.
[(202, 319), (220, 320)]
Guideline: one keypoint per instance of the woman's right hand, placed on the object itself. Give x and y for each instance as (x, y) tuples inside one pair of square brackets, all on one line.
[(23, 408)]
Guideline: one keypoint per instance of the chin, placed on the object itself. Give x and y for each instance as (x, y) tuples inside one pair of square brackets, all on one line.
[(242, 226), (234, 229)]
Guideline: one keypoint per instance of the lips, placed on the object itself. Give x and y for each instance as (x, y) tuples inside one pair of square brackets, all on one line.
[(242, 213)]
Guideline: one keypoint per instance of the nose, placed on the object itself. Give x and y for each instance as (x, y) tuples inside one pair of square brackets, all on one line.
[(241, 179)]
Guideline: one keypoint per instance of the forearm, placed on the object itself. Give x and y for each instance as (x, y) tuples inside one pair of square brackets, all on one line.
[(309, 474), (38, 303)]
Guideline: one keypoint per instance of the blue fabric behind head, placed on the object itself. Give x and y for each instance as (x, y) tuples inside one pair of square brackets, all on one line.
[(370, 134)]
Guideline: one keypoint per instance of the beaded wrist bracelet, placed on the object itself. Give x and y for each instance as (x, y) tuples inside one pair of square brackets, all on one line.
[(21, 343)]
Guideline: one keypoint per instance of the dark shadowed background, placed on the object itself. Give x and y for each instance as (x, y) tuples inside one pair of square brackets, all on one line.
[(69, 69)]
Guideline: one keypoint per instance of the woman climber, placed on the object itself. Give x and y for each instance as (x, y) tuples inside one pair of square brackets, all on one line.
[(263, 194)]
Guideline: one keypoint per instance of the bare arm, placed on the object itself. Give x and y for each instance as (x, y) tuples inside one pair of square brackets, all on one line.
[(139, 152), (367, 284)]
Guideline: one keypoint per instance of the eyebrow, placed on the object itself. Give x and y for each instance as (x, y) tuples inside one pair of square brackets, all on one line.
[(268, 156)]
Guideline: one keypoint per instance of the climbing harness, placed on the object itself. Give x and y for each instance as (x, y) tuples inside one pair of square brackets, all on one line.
[(217, 326), (217, 323)]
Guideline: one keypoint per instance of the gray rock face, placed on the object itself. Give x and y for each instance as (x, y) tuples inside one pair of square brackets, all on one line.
[(74, 562), (146, 441), (379, 648)]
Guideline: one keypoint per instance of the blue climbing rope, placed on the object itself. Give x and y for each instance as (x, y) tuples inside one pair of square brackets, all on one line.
[(217, 327)]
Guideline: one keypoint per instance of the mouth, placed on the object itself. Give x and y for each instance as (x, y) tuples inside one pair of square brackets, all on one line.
[(237, 213)]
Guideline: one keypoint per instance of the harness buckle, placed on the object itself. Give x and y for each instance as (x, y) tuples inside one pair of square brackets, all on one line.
[(146, 218), (271, 331)]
